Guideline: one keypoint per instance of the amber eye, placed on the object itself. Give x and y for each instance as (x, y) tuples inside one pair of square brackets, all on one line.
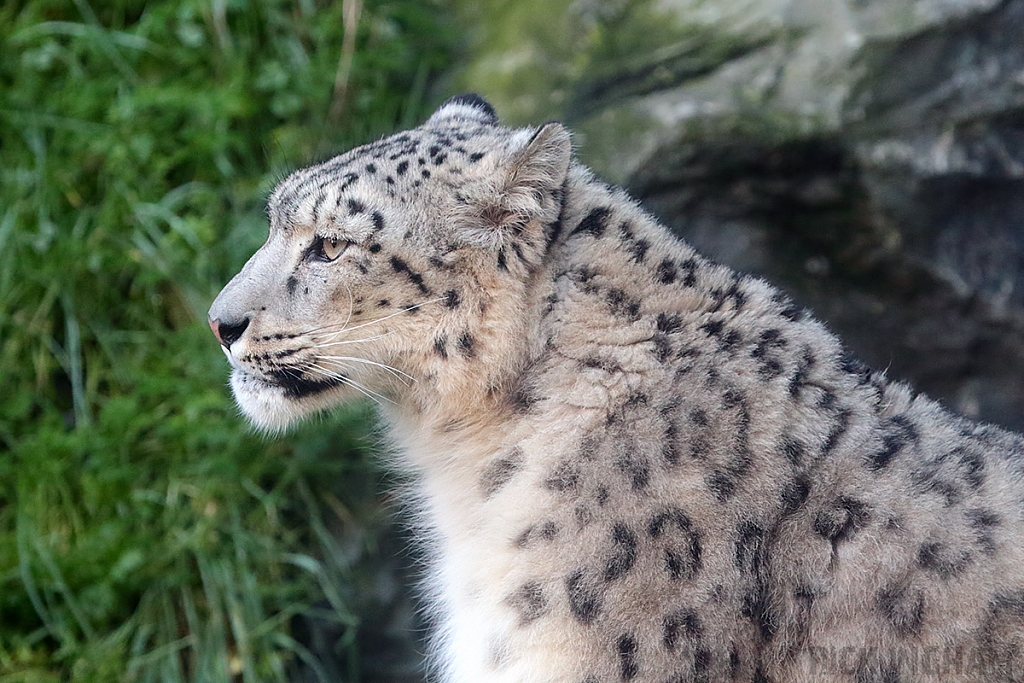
[(329, 248)]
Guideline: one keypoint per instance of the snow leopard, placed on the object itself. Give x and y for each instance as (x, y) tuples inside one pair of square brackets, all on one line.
[(628, 462)]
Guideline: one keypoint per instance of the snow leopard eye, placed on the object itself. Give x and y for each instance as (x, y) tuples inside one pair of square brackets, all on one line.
[(328, 248)]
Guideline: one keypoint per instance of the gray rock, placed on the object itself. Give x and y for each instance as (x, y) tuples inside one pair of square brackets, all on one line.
[(866, 155)]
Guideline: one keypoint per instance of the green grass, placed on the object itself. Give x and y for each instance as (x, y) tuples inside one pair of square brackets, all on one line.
[(145, 534)]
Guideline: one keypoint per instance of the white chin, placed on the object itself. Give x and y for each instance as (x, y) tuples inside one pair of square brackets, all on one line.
[(270, 409)]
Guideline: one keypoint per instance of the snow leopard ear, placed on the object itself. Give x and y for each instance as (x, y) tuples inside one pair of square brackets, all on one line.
[(469, 106), (522, 196), (541, 163)]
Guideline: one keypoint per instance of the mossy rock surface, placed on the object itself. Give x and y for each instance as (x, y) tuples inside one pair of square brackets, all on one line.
[(867, 155)]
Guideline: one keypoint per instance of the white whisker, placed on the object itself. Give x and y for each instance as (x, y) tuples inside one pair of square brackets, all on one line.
[(350, 341), (392, 315), (344, 380), (350, 382), (366, 391), (372, 322), (351, 304), (398, 374)]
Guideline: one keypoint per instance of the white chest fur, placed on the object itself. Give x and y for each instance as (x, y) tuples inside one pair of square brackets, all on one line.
[(476, 563)]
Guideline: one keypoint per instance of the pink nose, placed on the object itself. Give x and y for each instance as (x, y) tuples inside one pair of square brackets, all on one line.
[(228, 333)]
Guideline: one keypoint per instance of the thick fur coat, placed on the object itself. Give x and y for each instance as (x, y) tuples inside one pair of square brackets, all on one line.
[(631, 463)]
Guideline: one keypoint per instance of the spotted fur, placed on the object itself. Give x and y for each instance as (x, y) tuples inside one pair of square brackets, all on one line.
[(631, 463)]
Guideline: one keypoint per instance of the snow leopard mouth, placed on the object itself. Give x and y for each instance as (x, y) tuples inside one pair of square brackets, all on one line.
[(292, 382), (297, 386)]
